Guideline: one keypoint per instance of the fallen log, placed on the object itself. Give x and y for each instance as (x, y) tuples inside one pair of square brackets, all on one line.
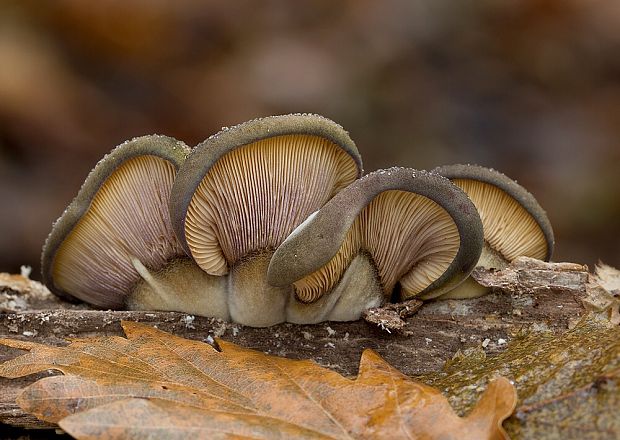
[(528, 295)]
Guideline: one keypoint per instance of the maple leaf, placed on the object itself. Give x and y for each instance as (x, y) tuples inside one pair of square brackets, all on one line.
[(157, 385)]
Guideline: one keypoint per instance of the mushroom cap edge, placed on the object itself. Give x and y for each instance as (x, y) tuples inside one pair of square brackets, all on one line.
[(511, 187), (206, 153), (165, 147), (328, 227)]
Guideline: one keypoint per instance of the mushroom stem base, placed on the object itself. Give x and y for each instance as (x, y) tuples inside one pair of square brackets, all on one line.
[(467, 289), (251, 299), (358, 290), (470, 288), (181, 286)]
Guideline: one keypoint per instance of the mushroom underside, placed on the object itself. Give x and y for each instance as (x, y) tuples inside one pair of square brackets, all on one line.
[(118, 248), (255, 195), (509, 229), (127, 224), (410, 238)]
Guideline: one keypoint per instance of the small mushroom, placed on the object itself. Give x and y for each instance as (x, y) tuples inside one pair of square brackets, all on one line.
[(240, 193), (513, 221), (114, 246), (395, 226)]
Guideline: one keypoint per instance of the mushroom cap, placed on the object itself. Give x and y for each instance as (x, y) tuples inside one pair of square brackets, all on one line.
[(524, 225), (317, 240), (134, 177), (233, 196)]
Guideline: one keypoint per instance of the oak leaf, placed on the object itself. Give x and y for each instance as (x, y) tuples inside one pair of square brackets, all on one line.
[(157, 385)]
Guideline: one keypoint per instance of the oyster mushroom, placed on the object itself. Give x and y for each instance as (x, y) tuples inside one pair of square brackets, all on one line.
[(395, 226), (114, 246), (240, 193), (513, 221)]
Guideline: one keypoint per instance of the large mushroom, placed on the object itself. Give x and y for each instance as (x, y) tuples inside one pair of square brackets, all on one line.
[(513, 221), (396, 226), (240, 193), (114, 246)]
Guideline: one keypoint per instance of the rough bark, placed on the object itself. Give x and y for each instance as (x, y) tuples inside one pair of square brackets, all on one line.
[(527, 295)]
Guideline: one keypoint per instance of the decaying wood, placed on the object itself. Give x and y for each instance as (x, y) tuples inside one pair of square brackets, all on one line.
[(527, 275), (528, 295), (393, 317)]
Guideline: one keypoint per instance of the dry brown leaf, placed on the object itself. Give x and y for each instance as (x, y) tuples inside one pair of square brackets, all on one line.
[(608, 277), (162, 386), (604, 292)]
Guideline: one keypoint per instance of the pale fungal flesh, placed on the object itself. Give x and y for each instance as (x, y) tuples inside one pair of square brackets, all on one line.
[(181, 286), (357, 290), (255, 195), (508, 228), (127, 220), (409, 237)]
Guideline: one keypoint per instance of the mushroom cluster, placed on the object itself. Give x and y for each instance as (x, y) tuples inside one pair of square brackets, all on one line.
[(271, 221)]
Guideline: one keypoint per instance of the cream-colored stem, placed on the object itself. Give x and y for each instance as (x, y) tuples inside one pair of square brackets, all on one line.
[(358, 289), (467, 289), (180, 286), (156, 287), (489, 259), (252, 300)]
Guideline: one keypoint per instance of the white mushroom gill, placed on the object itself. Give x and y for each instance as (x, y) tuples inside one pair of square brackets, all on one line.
[(410, 238), (508, 228), (255, 195), (128, 219)]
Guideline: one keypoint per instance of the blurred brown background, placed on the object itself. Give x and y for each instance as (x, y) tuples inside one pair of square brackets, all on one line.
[(529, 87)]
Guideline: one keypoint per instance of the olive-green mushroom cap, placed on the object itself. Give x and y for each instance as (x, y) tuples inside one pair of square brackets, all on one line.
[(86, 254), (245, 187), (515, 225), (316, 241)]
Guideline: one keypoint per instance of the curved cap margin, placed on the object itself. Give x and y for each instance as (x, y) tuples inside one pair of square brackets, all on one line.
[(318, 239), (508, 185), (164, 147), (205, 154)]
